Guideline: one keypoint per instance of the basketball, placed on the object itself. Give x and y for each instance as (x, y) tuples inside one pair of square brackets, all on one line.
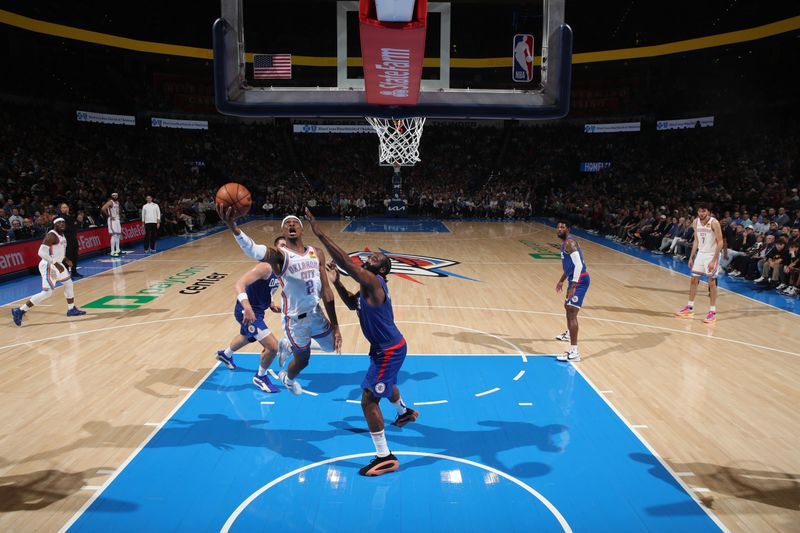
[(234, 195)]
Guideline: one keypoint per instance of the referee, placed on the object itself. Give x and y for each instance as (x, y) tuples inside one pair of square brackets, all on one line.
[(151, 216), (71, 234)]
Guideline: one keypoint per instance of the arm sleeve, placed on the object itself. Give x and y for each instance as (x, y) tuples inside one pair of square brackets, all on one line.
[(576, 259), (251, 249), (44, 253)]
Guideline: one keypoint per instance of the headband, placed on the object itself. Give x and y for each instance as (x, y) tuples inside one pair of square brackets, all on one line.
[(294, 217)]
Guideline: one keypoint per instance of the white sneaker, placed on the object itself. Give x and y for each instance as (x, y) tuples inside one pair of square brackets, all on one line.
[(291, 385), (563, 337), (759, 280), (284, 351), (781, 287), (569, 356)]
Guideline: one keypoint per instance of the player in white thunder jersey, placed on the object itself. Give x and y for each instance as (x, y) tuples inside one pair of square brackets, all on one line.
[(111, 211), (704, 261), (304, 282), (54, 269)]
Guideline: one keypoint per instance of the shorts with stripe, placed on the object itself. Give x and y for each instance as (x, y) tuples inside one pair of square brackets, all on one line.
[(581, 286), (384, 365), (51, 276), (256, 330), (312, 325)]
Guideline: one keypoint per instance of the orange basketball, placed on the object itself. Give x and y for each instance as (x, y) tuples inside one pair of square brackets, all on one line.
[(234, 195)]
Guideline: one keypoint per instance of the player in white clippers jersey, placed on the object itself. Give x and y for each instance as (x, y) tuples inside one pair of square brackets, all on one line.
[(111, 211), (304, 283), (704, 261), (54, 269)]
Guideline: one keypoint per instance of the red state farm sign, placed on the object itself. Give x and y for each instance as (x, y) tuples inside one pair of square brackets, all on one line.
[(19, 256), (393, 53)]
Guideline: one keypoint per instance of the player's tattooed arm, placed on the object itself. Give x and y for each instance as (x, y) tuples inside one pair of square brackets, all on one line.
[(569, 246)]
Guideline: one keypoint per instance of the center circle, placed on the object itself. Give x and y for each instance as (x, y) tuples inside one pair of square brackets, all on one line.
[(424, 495)]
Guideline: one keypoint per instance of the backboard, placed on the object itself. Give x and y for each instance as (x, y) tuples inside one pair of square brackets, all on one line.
[(470, 70)]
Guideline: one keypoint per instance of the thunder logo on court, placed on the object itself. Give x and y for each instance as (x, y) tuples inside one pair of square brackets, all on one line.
[(408, 266)]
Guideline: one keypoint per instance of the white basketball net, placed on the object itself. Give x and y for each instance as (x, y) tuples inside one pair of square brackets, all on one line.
[(399, 139)]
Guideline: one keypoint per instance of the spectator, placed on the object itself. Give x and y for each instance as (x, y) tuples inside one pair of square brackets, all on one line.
[(26, 231), (15, 216), (762, 224), (14, 233), (790, 267), (40, 226), (71, 234), (782, 219), (774, 262)]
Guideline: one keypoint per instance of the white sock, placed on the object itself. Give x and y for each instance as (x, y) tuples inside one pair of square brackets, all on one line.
[(70, 306), (24, 307), (691, 304), (261, 370), (400, 406), (228, 351), (713, 309), (573, 348), (379, 440)]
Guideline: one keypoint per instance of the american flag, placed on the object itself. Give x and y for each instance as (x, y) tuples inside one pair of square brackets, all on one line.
[(271, 66)]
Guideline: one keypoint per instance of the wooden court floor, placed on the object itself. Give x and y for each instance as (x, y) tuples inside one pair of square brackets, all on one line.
[(718, 403)]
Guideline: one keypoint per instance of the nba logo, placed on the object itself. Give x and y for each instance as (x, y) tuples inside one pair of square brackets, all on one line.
[(522, 54)]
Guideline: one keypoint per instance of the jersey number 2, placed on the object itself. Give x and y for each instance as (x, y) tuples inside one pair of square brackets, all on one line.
[(310, 286)]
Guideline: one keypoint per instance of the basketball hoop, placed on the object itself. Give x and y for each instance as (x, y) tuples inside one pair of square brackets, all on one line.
[(399, 139)]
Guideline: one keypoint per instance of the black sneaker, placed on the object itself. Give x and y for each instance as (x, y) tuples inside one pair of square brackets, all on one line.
[(409, 416), (380, 466)]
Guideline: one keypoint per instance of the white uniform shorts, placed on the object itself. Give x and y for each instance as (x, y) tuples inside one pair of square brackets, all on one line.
[(114, 226), (306, 326), (51, 275), (702, 262)]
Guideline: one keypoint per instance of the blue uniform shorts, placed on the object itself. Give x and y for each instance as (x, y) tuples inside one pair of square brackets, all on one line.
[(580, 291), (253, 332), (384, 365)]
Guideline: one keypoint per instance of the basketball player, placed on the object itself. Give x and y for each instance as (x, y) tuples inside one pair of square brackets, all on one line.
[(704, 261), (387, 346), (54, 269), (575, 271), (255, 290), (300, 270), (111, 211)]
